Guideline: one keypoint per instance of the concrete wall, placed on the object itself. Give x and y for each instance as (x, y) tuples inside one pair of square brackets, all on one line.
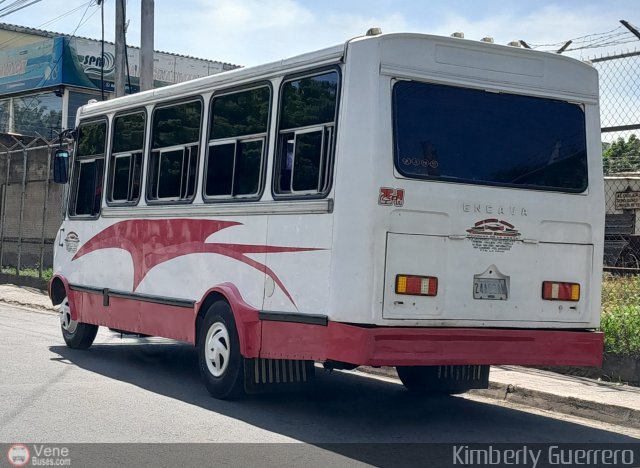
[(41, 217)]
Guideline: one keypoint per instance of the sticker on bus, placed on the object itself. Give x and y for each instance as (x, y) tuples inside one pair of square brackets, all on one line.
[(493, 235), (391, 196)]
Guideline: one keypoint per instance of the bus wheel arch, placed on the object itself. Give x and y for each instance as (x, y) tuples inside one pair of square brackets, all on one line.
[(245, 317), (57, 291), (76, 334), (209, 300)]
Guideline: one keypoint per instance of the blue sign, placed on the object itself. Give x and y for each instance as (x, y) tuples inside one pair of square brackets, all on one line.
[(32, 66)]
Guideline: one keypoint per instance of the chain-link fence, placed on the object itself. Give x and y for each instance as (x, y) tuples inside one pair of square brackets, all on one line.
[(620, 111), (620, 120), (30, 207)]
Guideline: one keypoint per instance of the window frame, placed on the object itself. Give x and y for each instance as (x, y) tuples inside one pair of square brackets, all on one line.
[(173, 149), (400, 174), (237, 141), (73, 194), (330, 154), (150, 150), (112, 156), (303, 131)]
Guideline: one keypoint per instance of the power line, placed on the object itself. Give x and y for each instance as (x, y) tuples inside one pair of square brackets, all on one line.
[(45, 78), (87, 20), (80, 23), (73, 10), (17, 6), (83, 15)]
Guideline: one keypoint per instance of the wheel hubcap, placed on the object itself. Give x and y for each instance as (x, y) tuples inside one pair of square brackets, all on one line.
[(68, 324), (217, 349)]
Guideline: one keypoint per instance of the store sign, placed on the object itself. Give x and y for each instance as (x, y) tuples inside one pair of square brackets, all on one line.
[(627, 200), (168, 69), (79, 62), (31, 66)]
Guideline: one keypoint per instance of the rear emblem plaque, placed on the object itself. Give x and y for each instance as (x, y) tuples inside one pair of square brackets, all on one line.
[(491, 285), (493, 235)]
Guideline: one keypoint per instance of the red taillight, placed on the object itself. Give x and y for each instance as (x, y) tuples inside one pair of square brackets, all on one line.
[(416, 285), (556, 291)]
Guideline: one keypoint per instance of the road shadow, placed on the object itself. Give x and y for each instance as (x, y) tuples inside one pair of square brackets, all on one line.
[(338, 411)]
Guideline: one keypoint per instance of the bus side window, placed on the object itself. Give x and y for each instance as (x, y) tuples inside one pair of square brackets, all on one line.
[(125, 166), (173, 160), (306, 133), (88, 172), (237, 143)]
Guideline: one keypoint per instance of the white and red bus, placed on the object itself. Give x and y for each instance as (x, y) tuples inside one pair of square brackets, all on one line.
[(434, 204)]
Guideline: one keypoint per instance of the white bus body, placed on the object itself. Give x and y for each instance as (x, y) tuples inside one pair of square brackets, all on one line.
[(315, 274)]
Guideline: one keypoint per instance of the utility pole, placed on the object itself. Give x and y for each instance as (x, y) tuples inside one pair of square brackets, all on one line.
[(146, 45), (120, 66), (101, 3)]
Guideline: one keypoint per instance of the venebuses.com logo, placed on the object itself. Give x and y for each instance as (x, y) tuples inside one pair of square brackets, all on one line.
[(18, 455), (38, 455)]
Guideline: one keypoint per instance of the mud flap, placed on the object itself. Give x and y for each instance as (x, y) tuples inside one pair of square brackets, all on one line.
[(275, 375), (459, 378)]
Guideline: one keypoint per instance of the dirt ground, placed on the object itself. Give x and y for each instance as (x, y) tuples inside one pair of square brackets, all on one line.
[(24, 296)]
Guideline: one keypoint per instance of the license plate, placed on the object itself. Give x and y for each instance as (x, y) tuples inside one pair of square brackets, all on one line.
[(489, 288)]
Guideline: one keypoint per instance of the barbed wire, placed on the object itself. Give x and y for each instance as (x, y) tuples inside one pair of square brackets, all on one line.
[(617, 36), (575, 39)]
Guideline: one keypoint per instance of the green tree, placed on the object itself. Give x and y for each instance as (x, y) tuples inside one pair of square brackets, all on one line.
[(621, 155), (34, 120)]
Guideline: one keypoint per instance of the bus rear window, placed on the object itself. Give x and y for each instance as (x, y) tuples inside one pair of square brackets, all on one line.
[(478, 137)]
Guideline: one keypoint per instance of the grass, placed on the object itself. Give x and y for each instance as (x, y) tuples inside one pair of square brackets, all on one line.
[(620, 319), (32, 272)]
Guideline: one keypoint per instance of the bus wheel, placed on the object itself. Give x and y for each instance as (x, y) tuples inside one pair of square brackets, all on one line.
[(77, 335), (423, 379), (221, 364), (444, 380)]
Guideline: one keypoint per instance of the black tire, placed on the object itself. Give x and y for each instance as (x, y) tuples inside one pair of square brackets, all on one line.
[(77, 335), (222, 374), (423, 379)]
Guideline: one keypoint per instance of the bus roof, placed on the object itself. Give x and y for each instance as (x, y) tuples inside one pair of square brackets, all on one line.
[(318, 58)]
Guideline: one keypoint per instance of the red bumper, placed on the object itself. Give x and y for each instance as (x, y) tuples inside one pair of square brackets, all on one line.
[(429, 346)]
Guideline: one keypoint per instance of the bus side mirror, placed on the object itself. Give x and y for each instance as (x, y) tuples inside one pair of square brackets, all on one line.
[(61, 166)]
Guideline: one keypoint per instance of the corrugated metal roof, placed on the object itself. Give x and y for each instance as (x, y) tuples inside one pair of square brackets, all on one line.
[(52, 34)]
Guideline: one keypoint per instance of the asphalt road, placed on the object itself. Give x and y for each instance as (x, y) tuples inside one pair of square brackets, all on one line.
[(148, 390)]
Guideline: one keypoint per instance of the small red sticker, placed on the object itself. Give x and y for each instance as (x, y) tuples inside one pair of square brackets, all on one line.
[(391, 197)]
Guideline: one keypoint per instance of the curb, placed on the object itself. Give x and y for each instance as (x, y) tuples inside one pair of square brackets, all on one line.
[(606, 413), (20, 296), (28, 306), (595, 411)]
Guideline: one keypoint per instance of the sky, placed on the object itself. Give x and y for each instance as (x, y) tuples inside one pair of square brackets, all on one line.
[(250, 32)]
